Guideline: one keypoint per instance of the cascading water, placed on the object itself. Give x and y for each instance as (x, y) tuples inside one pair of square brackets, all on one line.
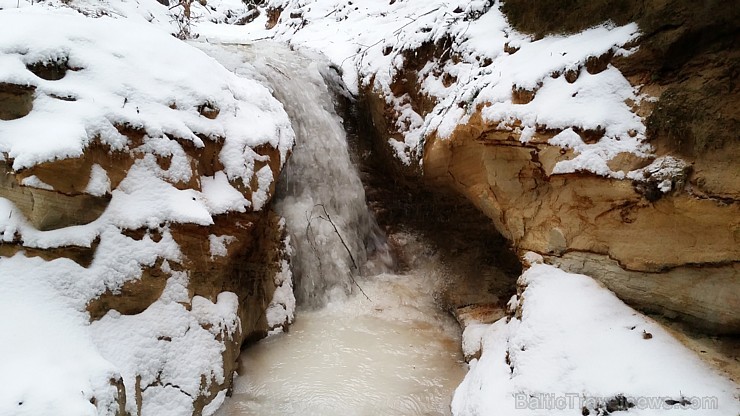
[(389, 351), (319, 193)]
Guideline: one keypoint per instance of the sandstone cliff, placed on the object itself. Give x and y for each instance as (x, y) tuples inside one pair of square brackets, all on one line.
[(139, 250), (659, 226)]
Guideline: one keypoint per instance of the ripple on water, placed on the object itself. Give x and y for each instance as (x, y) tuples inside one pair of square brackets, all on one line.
[(397, 355)]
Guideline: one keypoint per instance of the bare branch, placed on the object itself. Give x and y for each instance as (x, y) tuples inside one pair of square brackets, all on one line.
[(311, 241)]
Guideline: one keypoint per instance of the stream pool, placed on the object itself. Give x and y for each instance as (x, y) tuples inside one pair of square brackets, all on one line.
[(395, 354)]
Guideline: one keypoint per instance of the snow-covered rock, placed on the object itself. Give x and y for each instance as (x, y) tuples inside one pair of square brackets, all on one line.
[(408, 62), (137, 173), (574, 348)]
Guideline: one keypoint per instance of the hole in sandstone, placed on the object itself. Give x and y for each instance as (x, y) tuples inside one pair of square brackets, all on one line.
[(164, 162), (510, 49), (590, 136), (135, 134), (208, 110), (61, 207), (571, 75), (206, 157), (135, 295), (16, 101), (596, 64), (520, 95), (80, 255), (139, 234), (52, 70)]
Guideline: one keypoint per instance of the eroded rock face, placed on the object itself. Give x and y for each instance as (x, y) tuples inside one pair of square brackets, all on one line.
[(558, 213), (48, 209), (648, 252), (141, 228), (667, 240), (241, 252)]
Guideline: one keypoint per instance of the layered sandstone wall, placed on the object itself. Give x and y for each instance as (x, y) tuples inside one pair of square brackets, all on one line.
[(136, 224), (676, 255), (240, 252), (660, 228)]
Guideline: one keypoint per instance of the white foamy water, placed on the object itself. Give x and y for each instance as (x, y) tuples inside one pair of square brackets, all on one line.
[(319, 192), (396, 354), (387, 349)]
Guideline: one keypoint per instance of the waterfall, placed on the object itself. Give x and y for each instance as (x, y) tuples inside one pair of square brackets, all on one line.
[(319, 193), (391, 351)]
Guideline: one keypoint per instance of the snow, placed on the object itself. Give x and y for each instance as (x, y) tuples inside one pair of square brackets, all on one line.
[(142, 199), (220, 11), (370, 41), (142, 11), (667, 171), (576, 344), (264, 180), (167, 347), (37, 379), (218, 244), (281, 310), (109, 90), (34, 182), (99, 183), (221, 195), (211, 408)]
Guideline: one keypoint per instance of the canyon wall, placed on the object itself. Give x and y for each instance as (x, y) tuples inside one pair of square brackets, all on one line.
[(137, 231), (662, 228), (240, 252)]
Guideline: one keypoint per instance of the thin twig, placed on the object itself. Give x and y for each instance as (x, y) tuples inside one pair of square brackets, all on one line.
[(312, 242), (395, 32), (259, 39), (328, 218), (309, 218), (277, 70)]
